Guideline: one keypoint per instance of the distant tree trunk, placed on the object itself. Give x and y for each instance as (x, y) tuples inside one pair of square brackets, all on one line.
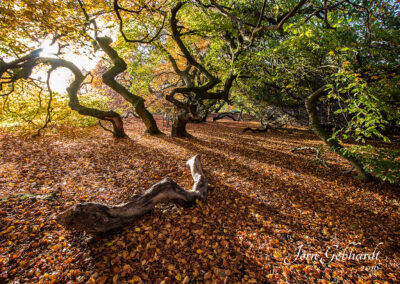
[(204, 118), (99, 218), (240, 118), (200, 119), (318, 129), (179, 126)]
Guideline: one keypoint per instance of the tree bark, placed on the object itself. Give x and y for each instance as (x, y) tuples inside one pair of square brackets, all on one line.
[(179, 126), (109, 79), (318, 129), (97, 218), (72, 90), (147, 118), (24, 67)]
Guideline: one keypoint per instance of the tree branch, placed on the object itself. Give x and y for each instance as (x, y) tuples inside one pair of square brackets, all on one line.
[(96, 217), (121, 29)]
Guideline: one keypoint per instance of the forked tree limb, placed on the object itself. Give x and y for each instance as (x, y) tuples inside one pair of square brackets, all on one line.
[(98, 218)]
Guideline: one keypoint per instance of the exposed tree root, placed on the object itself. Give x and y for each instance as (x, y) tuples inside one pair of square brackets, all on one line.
[(97, 218), (349, 170)]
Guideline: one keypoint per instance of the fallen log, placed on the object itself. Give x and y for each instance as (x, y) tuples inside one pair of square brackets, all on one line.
[(263, 128), (94, 217), (349, 170)]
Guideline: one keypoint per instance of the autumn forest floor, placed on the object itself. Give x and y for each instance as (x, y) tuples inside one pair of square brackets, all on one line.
[(264, 204)]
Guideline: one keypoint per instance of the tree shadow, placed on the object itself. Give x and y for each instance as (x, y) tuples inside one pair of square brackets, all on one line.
[(251, 221), (318, 200), (239, 233)]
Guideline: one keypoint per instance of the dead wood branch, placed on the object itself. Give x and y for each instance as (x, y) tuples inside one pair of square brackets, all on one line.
[(96, 217)]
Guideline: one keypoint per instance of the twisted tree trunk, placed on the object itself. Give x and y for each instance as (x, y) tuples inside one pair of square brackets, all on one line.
[(318, 129), (109, 79), (179, 125), (96, 218), (112, 116)]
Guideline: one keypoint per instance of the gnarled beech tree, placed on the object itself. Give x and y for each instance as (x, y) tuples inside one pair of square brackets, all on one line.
[(119, 67), (197, 82), (98, 218), (191, 86), (22, 69)]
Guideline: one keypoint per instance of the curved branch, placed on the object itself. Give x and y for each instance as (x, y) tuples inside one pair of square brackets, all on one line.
[(230, 115), (176, 36), (96, 217), (281, 22), (23, 67), (48, 110), (318, 153), (121, 29), (318, 129), (74, 103), (105, 128)]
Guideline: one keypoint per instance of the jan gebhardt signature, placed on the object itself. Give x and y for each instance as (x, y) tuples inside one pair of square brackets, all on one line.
[(335, 253)]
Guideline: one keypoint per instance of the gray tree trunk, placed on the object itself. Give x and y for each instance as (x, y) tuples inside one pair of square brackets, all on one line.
[(97, 218)]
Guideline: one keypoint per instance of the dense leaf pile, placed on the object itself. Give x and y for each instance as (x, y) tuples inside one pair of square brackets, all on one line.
[(264, 203)]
